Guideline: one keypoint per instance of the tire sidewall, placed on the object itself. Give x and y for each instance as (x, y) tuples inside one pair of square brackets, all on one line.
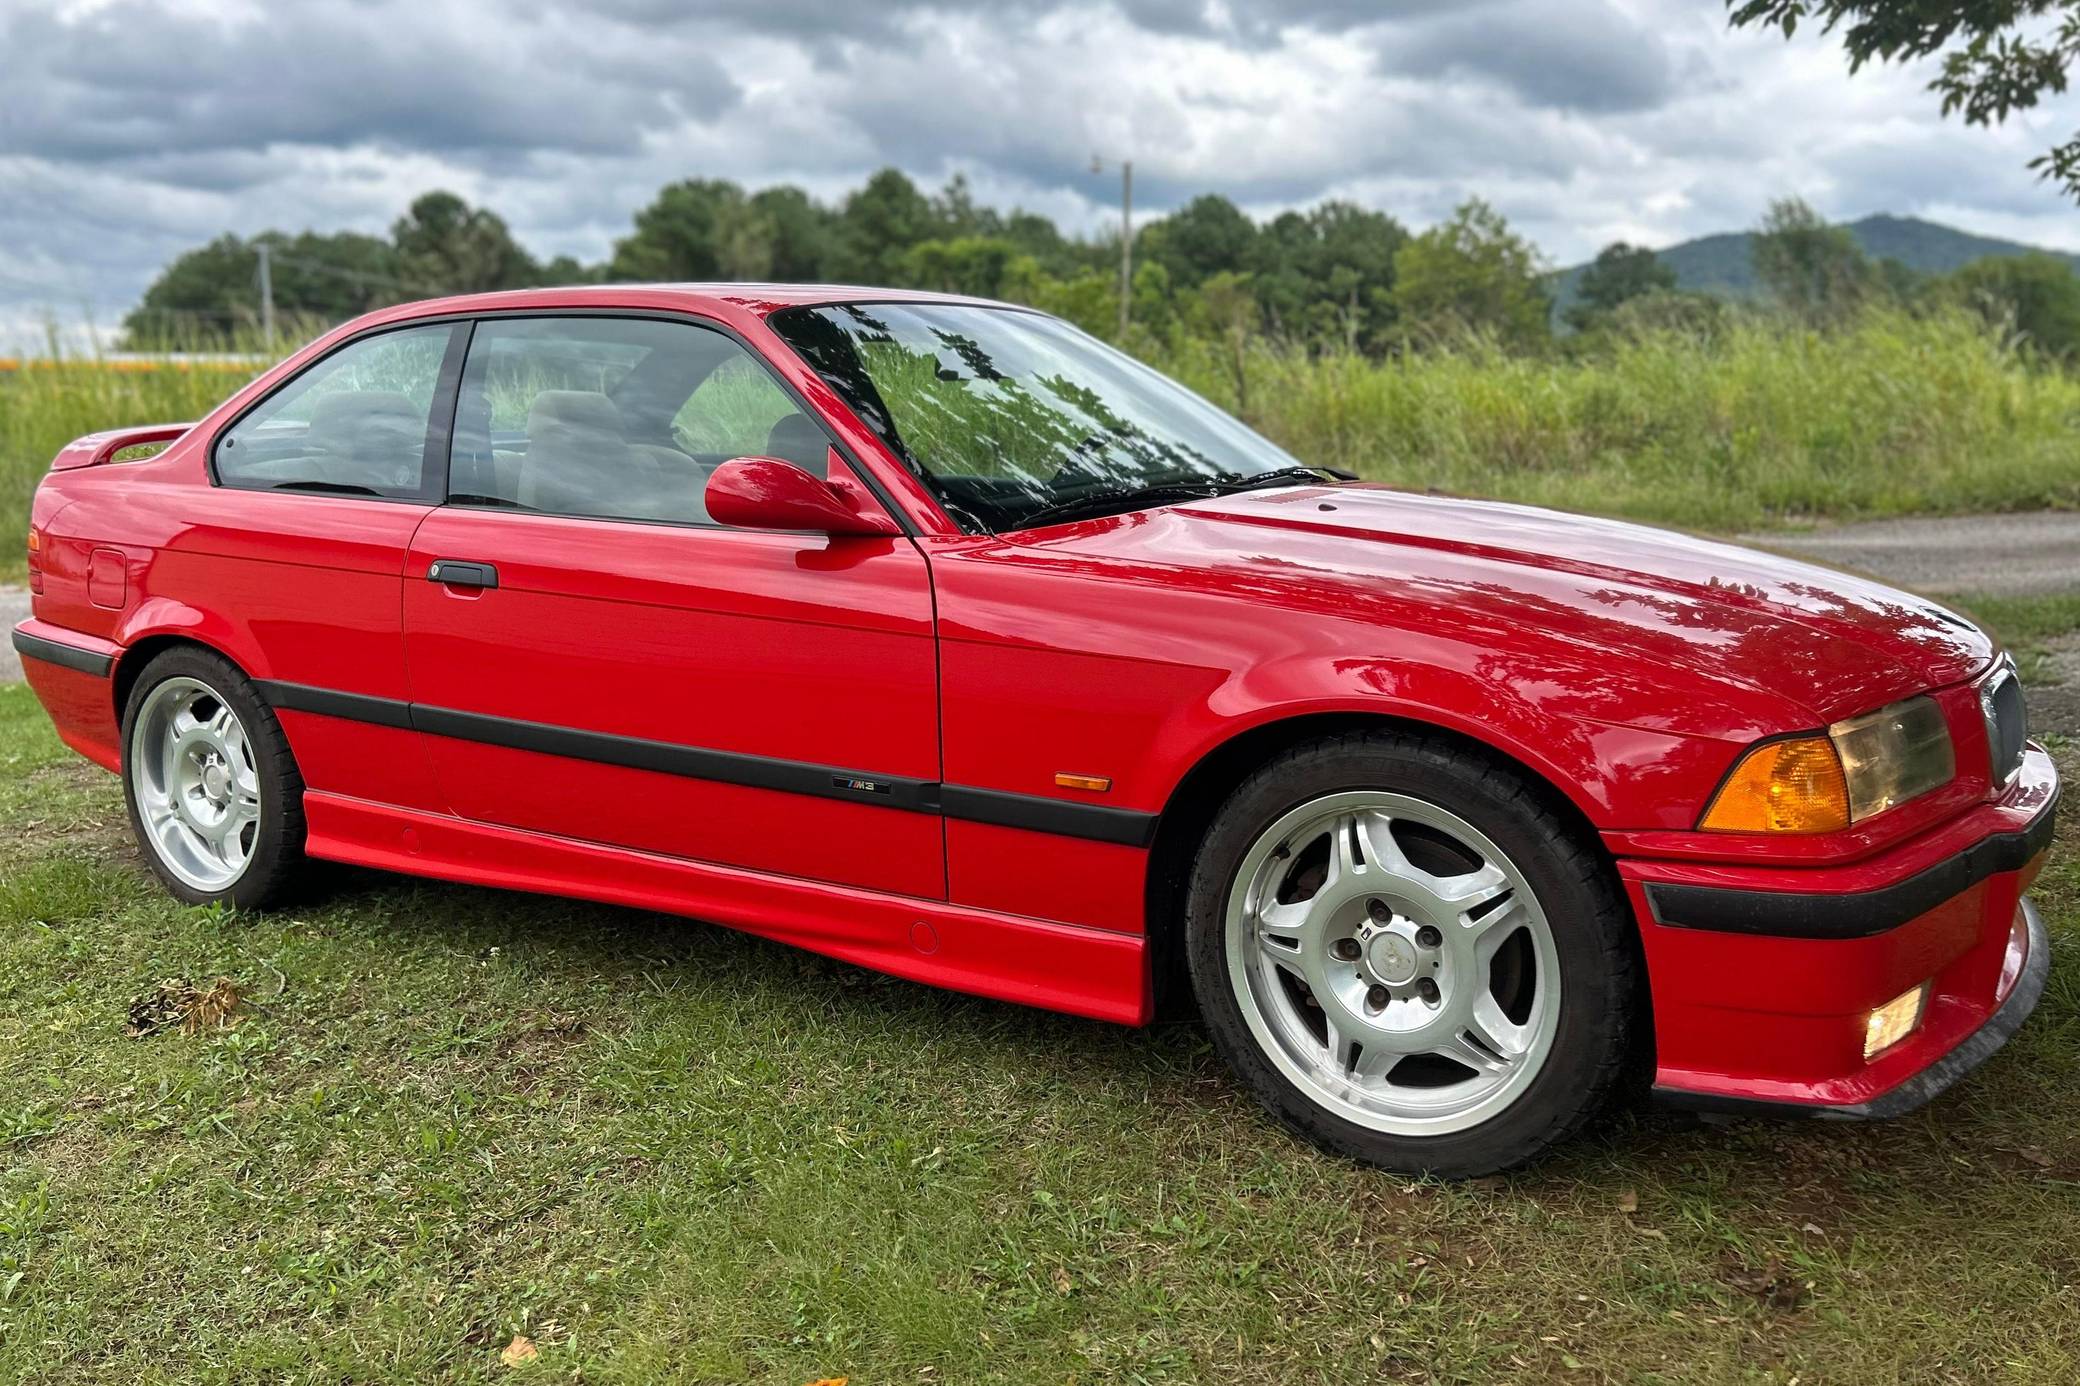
[(1580, 920), (279, 812)]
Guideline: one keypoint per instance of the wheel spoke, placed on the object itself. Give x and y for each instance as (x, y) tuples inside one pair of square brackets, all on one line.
[(1346, 850), (1286, 921), (1343, 1048), (1492, 930), (1281, 954), (1494, 1029), (1466, 1048)]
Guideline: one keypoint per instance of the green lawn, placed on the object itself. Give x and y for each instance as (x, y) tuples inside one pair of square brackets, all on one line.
[(663, 1150)]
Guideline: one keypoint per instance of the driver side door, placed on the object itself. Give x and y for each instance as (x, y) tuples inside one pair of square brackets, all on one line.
[(597, 659)]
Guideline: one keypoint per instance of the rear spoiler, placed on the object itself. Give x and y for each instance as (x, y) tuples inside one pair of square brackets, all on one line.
[(97, 448)]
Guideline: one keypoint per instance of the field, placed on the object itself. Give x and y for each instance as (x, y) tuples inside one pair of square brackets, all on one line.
[(659, 1150), (445, 1120), (1759, 423)]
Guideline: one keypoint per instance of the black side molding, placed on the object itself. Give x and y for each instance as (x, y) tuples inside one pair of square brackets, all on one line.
[(1794, 914), (1096, 822), (354, 707), (63, 655), (670, 758), (1090, 822)]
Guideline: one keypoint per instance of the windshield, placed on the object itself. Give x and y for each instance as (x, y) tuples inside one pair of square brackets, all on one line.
[(1007, 414)]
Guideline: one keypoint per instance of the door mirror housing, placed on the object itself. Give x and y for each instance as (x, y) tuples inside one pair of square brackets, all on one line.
[(767, 493)]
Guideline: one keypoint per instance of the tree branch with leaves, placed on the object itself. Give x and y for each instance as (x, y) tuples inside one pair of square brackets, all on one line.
[(1999, 56)]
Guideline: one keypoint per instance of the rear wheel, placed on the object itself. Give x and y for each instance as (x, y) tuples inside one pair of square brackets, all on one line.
[(1407, 956), (214, 795)]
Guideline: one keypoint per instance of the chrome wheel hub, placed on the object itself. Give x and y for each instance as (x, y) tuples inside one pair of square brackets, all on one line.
[(1393, 962), (197, 788)]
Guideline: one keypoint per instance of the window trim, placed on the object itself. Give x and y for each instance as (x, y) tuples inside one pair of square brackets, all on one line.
[(440, 416)]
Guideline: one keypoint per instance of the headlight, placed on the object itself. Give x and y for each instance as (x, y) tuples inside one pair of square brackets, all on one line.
[(1817, 784)]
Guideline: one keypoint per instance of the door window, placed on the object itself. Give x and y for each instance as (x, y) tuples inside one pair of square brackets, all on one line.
[(614, 418), (353, 424)]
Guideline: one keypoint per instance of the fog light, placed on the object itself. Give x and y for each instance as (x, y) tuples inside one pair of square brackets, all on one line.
[(1894, 1021)]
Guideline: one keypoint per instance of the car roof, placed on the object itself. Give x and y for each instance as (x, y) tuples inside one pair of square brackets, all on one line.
[(756, 299)]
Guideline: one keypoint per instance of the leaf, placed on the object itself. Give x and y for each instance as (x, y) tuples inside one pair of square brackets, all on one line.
[(1062, 1283), (520, 1351), (830, 1381)]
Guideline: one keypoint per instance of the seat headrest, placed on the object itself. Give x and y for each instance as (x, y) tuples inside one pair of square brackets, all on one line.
[(796, 438), (566, 412), (342, 408)]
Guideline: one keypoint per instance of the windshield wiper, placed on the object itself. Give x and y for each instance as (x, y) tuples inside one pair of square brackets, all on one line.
[(1122, 498), (337, 488), (1280, 476)]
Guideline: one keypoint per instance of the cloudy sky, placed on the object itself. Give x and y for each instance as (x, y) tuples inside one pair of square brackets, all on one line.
[(130, 129)]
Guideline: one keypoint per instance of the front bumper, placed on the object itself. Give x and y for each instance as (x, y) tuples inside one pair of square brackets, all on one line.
[(1763, 978)]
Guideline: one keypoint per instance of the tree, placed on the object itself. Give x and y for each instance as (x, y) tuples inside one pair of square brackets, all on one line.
[(1472, 274), (2010, 53), (214, 289), (2037, 296), (1227, 313), (1207, 236), (689, 231), (879, 225), (802, 234), (1328, 273), (1620, 273), (963, 265), (1815, 269), (449, 247)]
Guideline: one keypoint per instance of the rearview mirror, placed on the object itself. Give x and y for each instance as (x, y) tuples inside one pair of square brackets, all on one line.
[(767, 493)]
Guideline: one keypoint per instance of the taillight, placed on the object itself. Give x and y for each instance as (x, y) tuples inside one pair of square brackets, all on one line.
[(35, 568)]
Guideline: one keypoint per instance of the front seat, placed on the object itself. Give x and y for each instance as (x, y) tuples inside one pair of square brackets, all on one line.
[(578, 461), (374, 438), (797, 439)]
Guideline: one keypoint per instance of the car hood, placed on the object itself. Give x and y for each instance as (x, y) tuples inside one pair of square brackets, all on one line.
[(1831, 643)]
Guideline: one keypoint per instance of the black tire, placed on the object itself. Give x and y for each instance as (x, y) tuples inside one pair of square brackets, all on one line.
[(276, 862), (1579, 895)]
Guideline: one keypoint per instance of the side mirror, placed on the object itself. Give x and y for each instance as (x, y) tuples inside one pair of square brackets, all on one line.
[(767, 493)]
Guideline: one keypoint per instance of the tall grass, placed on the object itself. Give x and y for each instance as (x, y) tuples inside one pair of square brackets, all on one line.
[(46, 404), (1759, 422)]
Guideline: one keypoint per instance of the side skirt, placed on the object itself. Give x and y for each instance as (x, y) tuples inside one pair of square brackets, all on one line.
[(1057, 967)]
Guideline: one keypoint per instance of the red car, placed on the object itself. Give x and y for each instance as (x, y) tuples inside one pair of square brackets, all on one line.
[(934, 635)]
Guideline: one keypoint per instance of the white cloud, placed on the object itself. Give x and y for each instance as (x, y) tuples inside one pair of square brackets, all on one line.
[(130, 131)]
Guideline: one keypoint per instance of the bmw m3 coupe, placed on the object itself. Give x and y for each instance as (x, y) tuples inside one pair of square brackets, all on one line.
[(935, 635)]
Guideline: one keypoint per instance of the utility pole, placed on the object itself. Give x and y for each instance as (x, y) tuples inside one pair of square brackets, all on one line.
[(266, 295), (1126, 236)]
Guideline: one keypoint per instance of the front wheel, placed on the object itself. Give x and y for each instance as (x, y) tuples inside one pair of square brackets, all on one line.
[(1408, 957), (214, 795)]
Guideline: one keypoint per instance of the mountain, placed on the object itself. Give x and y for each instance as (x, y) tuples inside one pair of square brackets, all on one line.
[(1722, 264)]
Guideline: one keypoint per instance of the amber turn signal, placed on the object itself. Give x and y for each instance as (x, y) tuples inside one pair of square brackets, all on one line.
[(1793, 786)]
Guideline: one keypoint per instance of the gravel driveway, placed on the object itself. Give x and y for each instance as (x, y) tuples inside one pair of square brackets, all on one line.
[(2031, 554)]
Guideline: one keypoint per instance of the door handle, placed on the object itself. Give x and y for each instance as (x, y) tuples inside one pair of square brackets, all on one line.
[(455, 572)]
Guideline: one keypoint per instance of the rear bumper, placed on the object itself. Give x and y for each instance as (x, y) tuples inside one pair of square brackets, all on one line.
[(1764, 978), (69, 671)]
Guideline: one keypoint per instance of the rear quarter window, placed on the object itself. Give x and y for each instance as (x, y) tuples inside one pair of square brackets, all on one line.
[(355, 423)]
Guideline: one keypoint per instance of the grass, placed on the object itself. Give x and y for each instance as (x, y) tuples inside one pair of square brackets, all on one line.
[(665, 1151), (1756, 424), (1760, 423)]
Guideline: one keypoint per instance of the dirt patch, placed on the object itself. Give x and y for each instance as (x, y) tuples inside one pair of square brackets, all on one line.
[(2054, 691)]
